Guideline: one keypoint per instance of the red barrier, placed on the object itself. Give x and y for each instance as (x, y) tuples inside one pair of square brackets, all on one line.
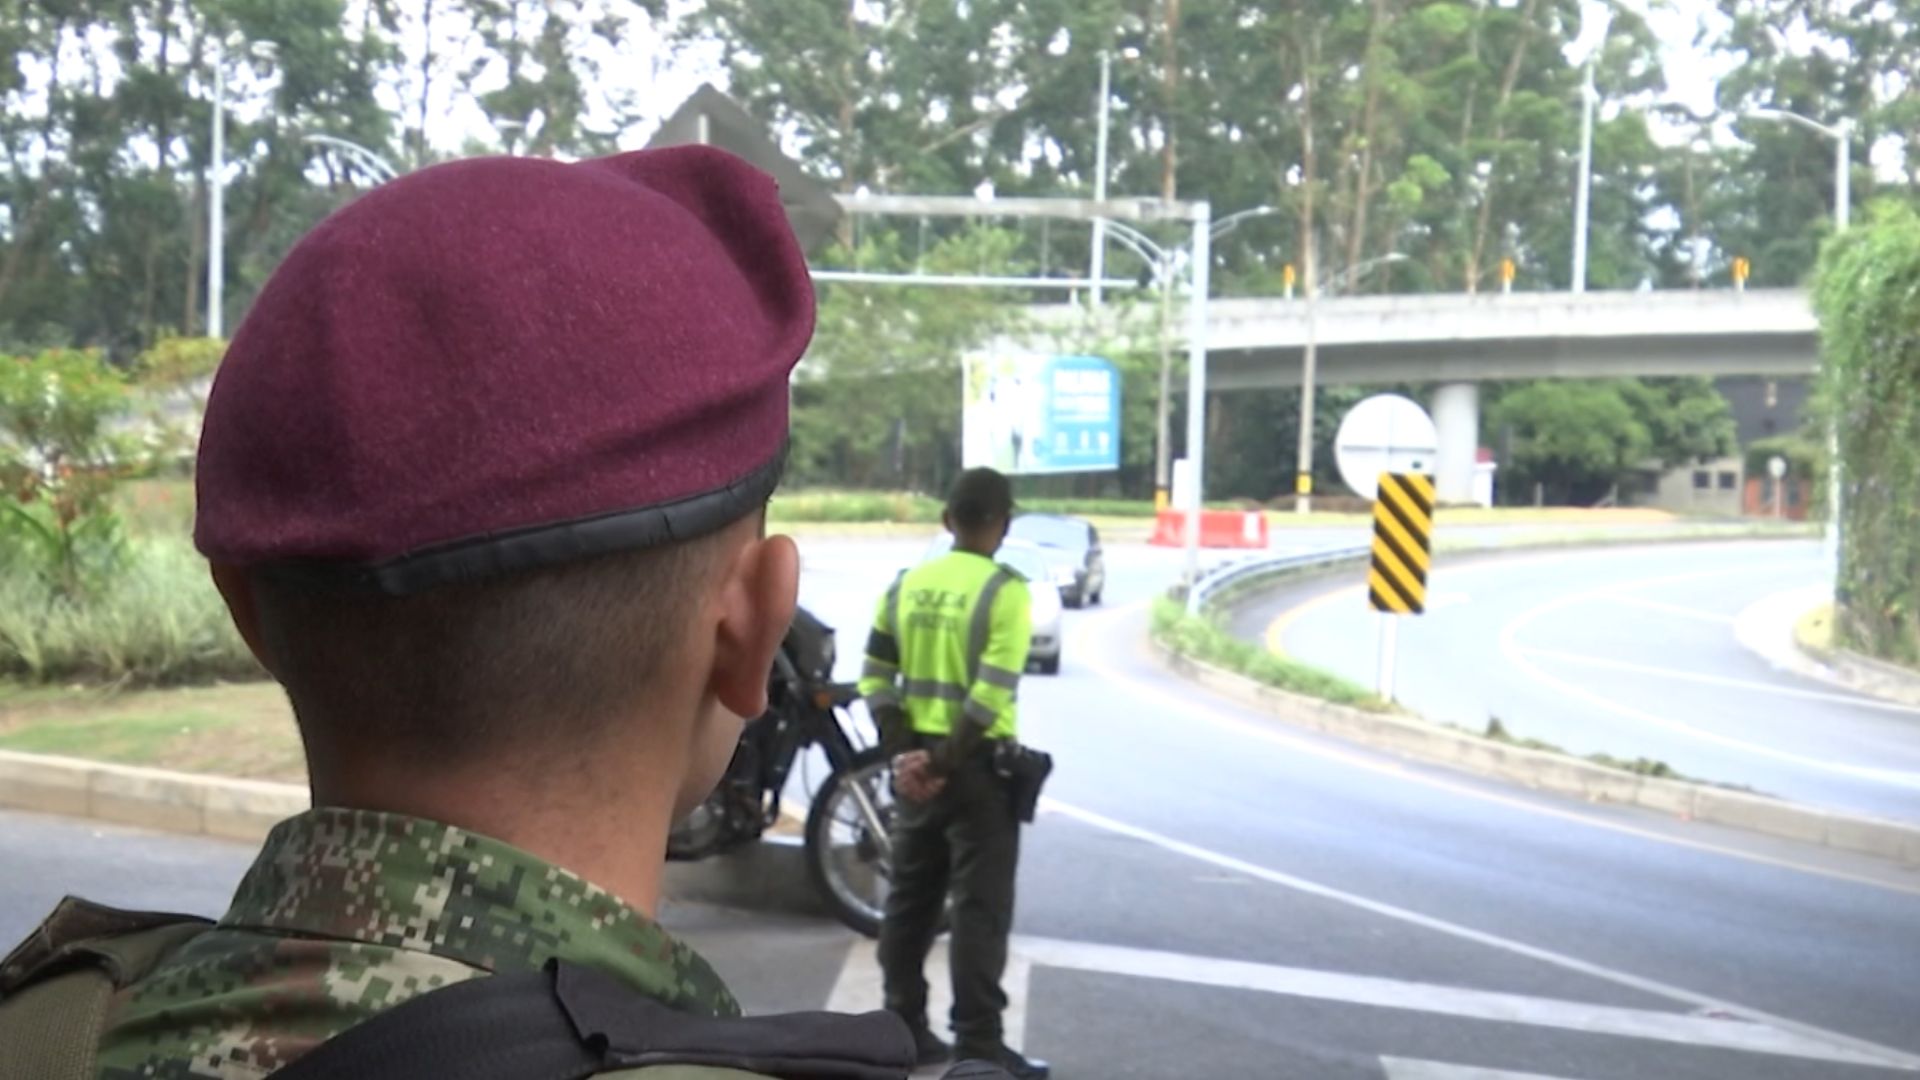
[(1218, 529)]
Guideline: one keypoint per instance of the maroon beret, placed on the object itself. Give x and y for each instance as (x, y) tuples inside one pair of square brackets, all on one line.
[(503, 363)]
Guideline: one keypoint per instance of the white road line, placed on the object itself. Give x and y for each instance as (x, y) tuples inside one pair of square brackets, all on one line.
[(1672, 609), (860, 988), (1515, 655), (1368, 990), (1405, 1069), (1719, 680), (1862, 1050)]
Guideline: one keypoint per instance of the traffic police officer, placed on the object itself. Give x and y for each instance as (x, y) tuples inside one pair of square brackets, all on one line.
[(943, 666), (483, 481)]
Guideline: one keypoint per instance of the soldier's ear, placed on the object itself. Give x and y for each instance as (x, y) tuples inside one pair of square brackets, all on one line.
[(757, 605), (236, 588)]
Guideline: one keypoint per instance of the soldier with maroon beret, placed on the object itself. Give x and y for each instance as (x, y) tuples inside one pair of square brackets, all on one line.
[(482, 480)]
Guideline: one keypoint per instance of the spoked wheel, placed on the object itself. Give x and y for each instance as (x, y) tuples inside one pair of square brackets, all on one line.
[(849, 852)]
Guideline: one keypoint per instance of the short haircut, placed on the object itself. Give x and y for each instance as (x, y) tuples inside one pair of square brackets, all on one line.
[(542, 660), (981, 497)]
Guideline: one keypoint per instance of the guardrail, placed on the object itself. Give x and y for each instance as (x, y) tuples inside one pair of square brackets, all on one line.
[(1227, 576)]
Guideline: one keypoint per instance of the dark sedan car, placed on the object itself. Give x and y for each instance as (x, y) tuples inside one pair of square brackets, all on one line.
[(1079, 542)]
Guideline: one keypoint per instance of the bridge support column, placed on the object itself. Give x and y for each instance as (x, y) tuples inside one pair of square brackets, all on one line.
[(1456, 416)]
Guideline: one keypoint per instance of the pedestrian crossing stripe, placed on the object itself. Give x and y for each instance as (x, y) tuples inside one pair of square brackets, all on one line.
[(1402, 544)]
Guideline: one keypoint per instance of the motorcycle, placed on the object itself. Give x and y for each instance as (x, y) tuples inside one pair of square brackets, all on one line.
[(847, 844)]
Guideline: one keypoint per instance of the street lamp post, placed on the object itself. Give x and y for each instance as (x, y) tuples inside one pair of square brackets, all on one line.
[(1197, 391), (1841, 133), (1309, 365), (217, 198), (217, 187), (1165, 273), (1098, 270), (1583, 195), (1594, 20), (380, 167)]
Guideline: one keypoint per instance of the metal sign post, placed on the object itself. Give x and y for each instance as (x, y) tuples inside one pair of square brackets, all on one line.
[(1389, 655)]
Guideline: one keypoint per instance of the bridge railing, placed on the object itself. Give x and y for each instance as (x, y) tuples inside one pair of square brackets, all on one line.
[(1232, 578)]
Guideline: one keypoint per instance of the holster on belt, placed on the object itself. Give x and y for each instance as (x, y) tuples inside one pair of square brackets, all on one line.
[(1025, 771)]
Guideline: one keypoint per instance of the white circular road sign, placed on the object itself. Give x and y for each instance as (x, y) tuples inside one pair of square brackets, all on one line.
[(1777, 465), (1384, 433)]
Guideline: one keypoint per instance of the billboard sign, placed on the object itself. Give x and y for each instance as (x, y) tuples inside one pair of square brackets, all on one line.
[(1026, 414)]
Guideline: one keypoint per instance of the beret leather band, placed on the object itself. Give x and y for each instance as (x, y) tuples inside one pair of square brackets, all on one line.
[(485, 557)]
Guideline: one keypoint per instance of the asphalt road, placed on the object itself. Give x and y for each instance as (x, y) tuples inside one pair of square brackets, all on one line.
[(1213, 895), (1629, 652)]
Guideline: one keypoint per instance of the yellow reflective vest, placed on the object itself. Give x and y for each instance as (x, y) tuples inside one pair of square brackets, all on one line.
[(949, 642)]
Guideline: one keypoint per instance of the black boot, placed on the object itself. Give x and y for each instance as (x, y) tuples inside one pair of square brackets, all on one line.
[(928, 1048), (1007, 1060)]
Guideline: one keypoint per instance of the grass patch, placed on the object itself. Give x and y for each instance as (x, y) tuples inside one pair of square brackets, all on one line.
[(1496, 731), (159, 621), (232, 730), (1107, 508), (1204, 640), (854, 507)]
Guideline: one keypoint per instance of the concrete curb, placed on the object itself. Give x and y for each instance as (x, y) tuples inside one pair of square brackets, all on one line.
[(1415, 738), (1866, 675), (150, 798), (1768, 627), (768, 876)]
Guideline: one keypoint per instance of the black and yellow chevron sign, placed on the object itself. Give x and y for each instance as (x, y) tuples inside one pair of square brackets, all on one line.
[(1402, 544)]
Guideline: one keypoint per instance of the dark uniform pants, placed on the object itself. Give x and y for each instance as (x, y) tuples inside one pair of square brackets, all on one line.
[(966, 839)]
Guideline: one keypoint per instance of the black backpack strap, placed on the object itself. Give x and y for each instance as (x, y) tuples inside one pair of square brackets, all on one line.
[(567, 1022)]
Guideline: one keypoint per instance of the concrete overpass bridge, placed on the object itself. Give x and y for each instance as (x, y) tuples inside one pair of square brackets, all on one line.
[(1458, 341)]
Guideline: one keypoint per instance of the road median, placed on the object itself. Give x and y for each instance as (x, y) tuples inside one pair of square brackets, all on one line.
[(1407, 735), (1541, 770)]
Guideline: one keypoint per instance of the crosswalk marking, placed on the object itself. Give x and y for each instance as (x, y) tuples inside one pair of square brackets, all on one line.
[(858, 989), (1406, 1069)]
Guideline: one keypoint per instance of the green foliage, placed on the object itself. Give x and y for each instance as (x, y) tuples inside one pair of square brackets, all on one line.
[(1868, 299), (158, 620), (106, 133), (60, 458), (1204, 640), (877, 400), (1686, 418), (179, 363), (1579, 438)]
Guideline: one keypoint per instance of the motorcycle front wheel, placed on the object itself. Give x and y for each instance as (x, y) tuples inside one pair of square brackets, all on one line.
[(849, 851)]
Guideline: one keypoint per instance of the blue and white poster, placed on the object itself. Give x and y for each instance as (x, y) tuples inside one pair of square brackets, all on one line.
[(1026, 415)]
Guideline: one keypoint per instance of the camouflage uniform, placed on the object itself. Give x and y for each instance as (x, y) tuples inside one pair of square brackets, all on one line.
[(348, 912)]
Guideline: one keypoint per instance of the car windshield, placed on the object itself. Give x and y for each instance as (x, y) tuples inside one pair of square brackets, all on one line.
[(1052, 531), (1031, 564)]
